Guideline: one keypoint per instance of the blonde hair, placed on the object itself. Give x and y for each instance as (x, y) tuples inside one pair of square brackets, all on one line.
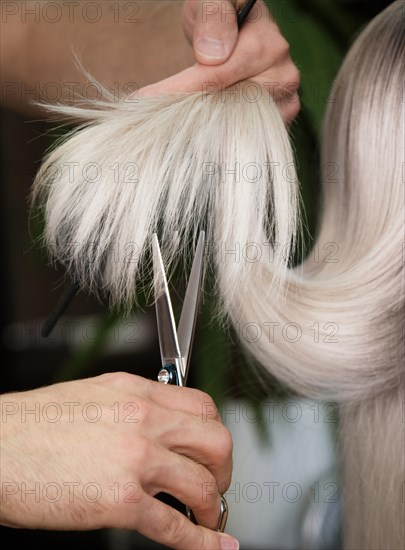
[(356, 301), (346, 315), (171, 165), (355, 295)]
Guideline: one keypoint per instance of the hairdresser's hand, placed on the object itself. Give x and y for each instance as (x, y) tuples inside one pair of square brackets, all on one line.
[(224, 57), (92, 453)]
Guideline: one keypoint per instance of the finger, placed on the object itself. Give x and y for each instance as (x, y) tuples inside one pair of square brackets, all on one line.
[(208, 443), (188, 482), (201, 437), (289, 109), (259, 47), (169, 527), (176, 398), (188, 80), (195, 428), (187, 400), (215, 32), (281, 81)]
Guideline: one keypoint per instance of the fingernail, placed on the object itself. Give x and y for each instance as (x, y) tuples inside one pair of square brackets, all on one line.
[(211, 47), (229, 543)]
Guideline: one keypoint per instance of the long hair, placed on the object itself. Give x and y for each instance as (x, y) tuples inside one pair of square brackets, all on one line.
[(332, 327), (352, 289), (336, 331)]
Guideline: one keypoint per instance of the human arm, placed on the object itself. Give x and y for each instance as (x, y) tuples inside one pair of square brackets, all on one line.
[(127, 51), (123, 45)]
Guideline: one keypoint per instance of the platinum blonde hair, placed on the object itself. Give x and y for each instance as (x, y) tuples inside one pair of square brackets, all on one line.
[(187, 151), (356, 300), (170, 165), (359, 295), (364, 133)]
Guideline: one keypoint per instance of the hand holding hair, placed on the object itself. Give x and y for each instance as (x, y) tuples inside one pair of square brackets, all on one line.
[(110, 49), (224, 57)]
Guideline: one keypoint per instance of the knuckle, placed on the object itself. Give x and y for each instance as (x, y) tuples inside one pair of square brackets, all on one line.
[(205, 499), (283, 46), (119, 379), (209, 408), (296, 107), (201, 540), (275, 49), (275, 45), (139, 453), (208, 480), (176, 529), (145, 412), (104, 378), (294, 79), (227, 443), (224, 458), (151, 388), (167, 523), (291, 109)]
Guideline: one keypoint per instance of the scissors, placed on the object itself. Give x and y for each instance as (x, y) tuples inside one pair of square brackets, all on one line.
[(175, 345)]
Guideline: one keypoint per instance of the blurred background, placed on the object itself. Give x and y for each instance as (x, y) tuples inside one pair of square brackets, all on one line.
[(286, 492)]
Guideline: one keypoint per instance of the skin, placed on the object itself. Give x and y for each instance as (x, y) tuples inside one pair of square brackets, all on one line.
[(141, 438), (258, 52), (172, 37)]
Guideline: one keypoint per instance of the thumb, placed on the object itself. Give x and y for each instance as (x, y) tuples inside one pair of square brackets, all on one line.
[(215, 32)]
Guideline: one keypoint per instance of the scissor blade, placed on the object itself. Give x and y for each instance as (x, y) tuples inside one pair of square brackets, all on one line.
[(169, 345), (190, 306)]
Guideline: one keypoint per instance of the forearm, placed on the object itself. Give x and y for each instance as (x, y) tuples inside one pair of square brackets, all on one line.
[(123, 45)]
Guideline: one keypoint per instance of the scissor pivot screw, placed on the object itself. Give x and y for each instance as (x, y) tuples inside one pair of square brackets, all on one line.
[(166, 374)]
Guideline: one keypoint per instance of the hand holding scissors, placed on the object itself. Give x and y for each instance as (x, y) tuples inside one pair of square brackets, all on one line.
[(175, 346)]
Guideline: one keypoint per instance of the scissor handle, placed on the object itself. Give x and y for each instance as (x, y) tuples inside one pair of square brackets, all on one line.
[(169, 374), (223, 518)]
